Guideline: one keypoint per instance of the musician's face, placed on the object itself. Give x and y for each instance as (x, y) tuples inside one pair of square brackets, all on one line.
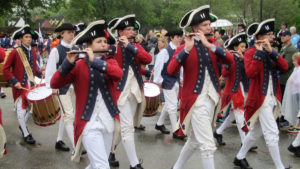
[(128, 32), (68, 35), (99, 44), (203, 26), (26, 40), (241, 47), (269, 36)]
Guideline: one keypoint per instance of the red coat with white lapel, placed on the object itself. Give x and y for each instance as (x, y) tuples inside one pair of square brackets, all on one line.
[(14, 61), (2, 54), (255, 71), (142, 57), (79, 76), (228, 95), (190, 73)]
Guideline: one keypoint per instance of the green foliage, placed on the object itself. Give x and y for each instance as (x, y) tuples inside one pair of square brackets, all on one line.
[(155, 13)]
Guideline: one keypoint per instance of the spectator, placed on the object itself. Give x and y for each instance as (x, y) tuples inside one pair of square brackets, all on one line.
[(140, 39), (218, 37), (241, 28), (228, 35), (283, 28), (295, 38)]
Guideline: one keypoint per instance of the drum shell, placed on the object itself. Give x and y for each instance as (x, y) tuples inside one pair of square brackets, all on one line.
[(152, 104), (45, 111)]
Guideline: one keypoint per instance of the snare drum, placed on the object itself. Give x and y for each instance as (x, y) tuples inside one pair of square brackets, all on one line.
[(3, 80), (45, 110), (152, 95)]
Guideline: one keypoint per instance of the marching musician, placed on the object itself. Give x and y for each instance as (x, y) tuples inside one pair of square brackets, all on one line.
[(170, 84), (96, 98), (236, 87), (3, 149), (56, 57), (130, 56), (262, 106), (201, 91), (22, 62)]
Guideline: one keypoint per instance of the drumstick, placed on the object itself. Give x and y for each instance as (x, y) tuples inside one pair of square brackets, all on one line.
[(41, 80), (28, 89), (62, 107)]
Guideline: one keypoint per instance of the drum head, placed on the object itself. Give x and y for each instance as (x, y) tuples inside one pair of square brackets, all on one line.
[(151, 89), (39, 93), (38, 80)]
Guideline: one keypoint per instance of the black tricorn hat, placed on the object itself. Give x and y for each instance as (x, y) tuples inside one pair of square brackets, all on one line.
[(196, 16), (236, 40), (123, 22), (261, 28), (22, 31), (174, 32), (252, 28), (94, 30), (65, 26), (79, 27)]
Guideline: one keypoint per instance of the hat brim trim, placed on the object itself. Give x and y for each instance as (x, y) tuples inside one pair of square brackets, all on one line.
[(14, 34), (192, 15), (121, 19), (74, 41), (247, 31), (262, 23), (234, 37)]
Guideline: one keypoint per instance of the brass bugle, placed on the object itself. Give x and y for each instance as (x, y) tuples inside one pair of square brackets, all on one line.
[(96, 51)]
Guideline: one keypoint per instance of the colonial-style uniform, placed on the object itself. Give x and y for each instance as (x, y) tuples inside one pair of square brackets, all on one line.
[(200, 92), (3, 149), (19, 74), (56, 57), (130, 87), (96, 98), (2, 133), (264, 96), (236, 86), (170, 84)]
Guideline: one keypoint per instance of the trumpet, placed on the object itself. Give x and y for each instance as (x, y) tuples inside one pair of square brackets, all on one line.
[(96, 51)]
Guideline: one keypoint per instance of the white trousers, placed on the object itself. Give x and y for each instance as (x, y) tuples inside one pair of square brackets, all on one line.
[(97, 142), (127, 112), (23, 116), (268, 128), (67, 119), (170, 106), (200, 135), (238, 116)]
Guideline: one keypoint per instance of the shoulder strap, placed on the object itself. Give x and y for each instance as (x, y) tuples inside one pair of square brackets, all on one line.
[(26, 64)]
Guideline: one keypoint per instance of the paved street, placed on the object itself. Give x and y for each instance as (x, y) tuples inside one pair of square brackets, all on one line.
[(157, 151)]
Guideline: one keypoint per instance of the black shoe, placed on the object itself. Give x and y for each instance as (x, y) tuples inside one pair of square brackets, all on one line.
[(162, 129), (241, 163), (219, 139), (83, 152), (180, 137), (2, 95), (293, 149), (141, 127), (29, 139), (60, 145), (253, 148), (112, 160), (138, 166)]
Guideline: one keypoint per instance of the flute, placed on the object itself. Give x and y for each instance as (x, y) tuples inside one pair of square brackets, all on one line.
[(194, 34), (96, 51)]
